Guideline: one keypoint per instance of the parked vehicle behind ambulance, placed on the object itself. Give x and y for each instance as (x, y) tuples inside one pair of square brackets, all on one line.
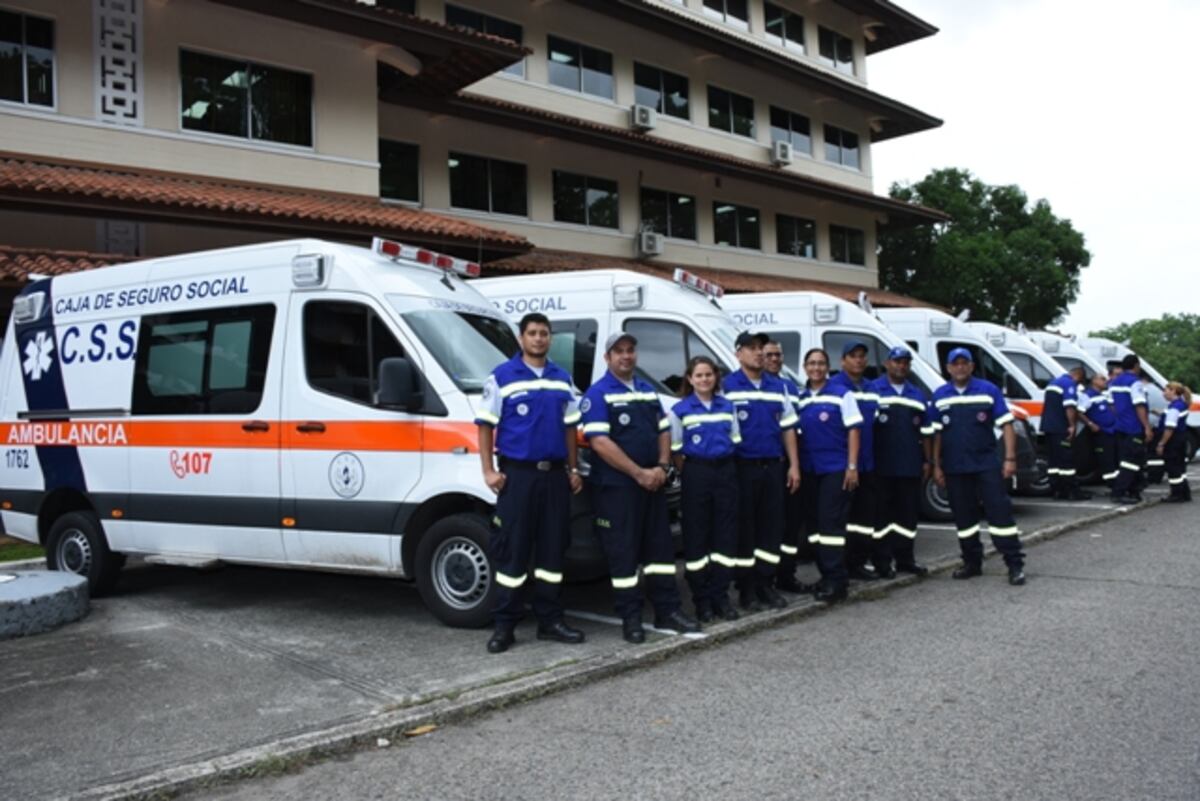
[(297, 404)]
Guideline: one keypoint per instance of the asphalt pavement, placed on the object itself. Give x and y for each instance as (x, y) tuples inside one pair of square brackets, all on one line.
[(1080, 685)]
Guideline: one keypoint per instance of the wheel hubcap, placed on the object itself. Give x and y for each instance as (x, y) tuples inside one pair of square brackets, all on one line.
[(75, 552), (461, 573)]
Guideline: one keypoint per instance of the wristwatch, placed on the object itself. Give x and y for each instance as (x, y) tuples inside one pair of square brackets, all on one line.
[(852, 466)]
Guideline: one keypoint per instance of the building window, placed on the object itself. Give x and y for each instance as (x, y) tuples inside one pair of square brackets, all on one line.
[(841, 146), (662, 90), (730, 112), (736, 226), (796, 236), (733, 12), (399, 171), (487, 185), (26, 59), (669, 214), (847, 245), (784, 27), (787, 126), (247, 100), (836, 50), (484, 23), (586, 201), (581, 68), (405, 6)]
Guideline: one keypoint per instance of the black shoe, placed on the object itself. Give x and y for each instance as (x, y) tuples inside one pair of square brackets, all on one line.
[(829, 595), (861, 572), (790, 583), (967, 571), (769, 598), (559, 632), (748, 601), (502, 639), (704, 611), (916, 568), (1016, 576), (1126, 500), (677, 622), (723, 608), (632, 631), (887, 572)]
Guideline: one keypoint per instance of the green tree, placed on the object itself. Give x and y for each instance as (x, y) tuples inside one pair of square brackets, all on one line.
[(1005, 260), (1170, 343)]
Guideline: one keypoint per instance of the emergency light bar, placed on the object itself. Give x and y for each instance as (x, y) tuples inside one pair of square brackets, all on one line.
[(397, 250), (690, 281), (27, 308), (996, 337), (1050, 345)]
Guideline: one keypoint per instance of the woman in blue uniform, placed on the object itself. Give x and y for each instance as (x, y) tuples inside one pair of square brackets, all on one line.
[(1172, 440), (704, 434), (830, 422), (1096, 407)]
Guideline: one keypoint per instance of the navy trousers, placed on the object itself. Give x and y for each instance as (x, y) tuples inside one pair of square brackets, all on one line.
[(899, 510), (533, 518), (761, 489), (832, 509), (635, 532), (968, 492), (710, 526)]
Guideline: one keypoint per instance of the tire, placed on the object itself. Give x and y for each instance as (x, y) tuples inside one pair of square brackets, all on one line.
[(1039, 486), (935, 503), (454, 572), (76, 544)]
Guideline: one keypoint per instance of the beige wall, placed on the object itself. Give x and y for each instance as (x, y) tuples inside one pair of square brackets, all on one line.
[(343, 157), (438, 136)]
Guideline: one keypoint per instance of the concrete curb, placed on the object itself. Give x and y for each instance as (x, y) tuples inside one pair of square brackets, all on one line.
[(282, 754)]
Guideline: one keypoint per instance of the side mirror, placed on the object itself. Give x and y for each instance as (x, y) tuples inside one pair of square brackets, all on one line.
[(397, 385)]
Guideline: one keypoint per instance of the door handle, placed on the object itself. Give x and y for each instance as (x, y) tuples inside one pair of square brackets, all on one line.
[(311, 427), (256, 426)]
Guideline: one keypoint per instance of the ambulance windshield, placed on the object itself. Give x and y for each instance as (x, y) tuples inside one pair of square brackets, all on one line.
[(467, 345)]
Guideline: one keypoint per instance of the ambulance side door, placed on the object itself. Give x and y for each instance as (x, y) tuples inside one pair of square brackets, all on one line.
[(348, 464)]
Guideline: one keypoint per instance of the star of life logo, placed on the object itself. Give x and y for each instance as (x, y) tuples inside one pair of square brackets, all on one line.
[(38, 356)]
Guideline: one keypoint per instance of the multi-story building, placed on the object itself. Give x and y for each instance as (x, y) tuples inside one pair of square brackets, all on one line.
[(738, 131)]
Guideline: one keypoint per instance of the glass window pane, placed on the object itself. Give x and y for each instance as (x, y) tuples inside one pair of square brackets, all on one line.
[(176, 366), (406, 6), (743, 115), (573, 348), (856, 244), (725, 227), (683, 217), (737, 9), (464, 18), (675, 91), (11, 76), (335, 360), (399, 170), (837, 243), (780, 125), (214, 94), (647, 83), (850, 149), (801, 134), (230, 358), (774, 20), (603, 208), (509, 194), (795, 236), (281, 105), (654, 212), (718, 109), (564, 64), (39, 61), (833, 144), (597, 73), (468, 182), (748, 228), (660, 349), (795, 30), (570, 193)]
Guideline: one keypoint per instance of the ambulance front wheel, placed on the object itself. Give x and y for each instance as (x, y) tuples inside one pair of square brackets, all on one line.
[(935, 502), (76, 544), (454, 574)]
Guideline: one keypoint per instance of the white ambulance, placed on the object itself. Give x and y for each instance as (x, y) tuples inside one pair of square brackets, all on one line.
[(1033, 361), (296, 404), (1065, 352)]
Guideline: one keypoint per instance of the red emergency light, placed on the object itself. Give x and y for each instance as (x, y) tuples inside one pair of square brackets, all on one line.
[(398, 250), (686, 279)]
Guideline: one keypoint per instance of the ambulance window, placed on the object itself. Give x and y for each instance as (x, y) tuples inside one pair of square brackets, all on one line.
[(1030, 367), (573, 348), (663, 351), (207, 362), (789, 341), (343, 345), (1068, 363), (834, 341), (986, 367)]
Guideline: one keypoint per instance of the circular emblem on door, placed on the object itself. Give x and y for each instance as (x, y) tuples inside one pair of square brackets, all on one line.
[(346, 475)]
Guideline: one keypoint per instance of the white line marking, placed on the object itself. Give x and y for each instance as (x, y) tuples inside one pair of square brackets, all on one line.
[(1064, 504), (612, 621)]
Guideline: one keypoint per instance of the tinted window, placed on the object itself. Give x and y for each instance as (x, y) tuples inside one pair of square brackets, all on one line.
[(735, 12), (1069, 363), (573, 348), (26, 59), (580, 68), (787, 126), (664, 349), (1031, 368), (407, 6), (736, 226), (789, 341), (212, 361), (244, 99), (841, 146), (986, 367), (784, 27), (669, 213), (796, 236), (836, 50), (585, 200), (483, 23), (661, 90), (343, 345), (399, 171), (834, 341), (847, 245), (487, 184), (730, 112)]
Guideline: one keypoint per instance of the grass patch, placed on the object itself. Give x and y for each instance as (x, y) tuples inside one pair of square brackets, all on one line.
[(11, 552)]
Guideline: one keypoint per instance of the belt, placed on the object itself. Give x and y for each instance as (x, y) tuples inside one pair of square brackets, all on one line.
[(769, 461), (724, 460), (544, 466)]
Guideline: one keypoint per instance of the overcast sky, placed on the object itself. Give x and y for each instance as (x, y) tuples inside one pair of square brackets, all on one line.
[(1091, 104)]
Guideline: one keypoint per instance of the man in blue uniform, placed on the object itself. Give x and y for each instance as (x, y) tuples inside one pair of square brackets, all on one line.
[(624, 423), (1133, 429), (527, 415), (767, 468), (903, 458), (791, 546), (964, 462), (1096, 409), (1059, 410)]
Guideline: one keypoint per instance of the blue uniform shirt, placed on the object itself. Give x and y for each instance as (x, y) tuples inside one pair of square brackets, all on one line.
[(1174, 416), (632, 417), (904, 419), (794, 393), (1098, 407), (826, 417), (1061, 393), (763, 412), (968, 421), (868, 404), (531, 412), (1127, 393), (704, 432)]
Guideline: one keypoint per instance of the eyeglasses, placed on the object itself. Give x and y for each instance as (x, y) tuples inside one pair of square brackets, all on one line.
[(773, 355)]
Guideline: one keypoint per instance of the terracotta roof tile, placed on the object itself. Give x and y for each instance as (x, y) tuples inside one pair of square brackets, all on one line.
[(38, 181), (552, 261), (17, 263)]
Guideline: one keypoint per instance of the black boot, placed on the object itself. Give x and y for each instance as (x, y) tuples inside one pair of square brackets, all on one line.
[(502, 639)]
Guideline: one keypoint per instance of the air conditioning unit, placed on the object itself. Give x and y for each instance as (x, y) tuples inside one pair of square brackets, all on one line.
[(650, 243), (642, 118), (781, 153)]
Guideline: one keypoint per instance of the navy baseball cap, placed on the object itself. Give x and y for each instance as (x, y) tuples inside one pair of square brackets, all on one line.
[(852, 346), (899, 352), (959, 353), (746, 338)]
